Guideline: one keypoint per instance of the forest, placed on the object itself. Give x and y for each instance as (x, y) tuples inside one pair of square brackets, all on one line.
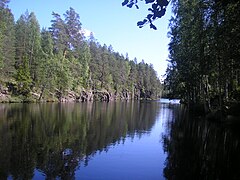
[(60, 63), (204, 51)]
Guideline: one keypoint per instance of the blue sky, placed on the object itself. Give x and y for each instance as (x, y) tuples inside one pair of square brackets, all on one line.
[(111, 24)]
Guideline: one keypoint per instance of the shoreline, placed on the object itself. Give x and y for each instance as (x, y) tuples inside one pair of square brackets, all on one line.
[(71, 96)]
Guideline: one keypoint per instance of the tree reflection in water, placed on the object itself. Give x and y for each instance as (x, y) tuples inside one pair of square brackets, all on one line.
[(55, 139), (198, 149)]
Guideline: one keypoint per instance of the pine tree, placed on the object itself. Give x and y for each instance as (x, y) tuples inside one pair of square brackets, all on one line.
[(23, 78), (74, 30), (22, 39), (59, 34), (93, 65), (46, 69), (7, 41), (79, 50), (84, 60), (34, 46), (63, 78), (132, 79)]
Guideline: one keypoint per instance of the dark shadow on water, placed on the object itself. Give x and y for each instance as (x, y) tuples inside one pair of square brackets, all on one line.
[(199, 149)]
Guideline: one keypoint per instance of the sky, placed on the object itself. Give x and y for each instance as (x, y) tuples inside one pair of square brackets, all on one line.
[(111, 24)]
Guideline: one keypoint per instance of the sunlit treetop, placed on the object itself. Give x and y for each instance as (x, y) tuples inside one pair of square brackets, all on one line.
[(3, 3), (157, 10)]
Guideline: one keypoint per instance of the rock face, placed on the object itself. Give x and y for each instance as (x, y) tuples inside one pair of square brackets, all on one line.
[(101, 96), (4, 94), (85, 96), (95, 95), (8, 95), (4, 97)]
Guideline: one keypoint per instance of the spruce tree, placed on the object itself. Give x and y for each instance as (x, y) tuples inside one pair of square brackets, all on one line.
[(7, 41), (34, 46), (23, 78)]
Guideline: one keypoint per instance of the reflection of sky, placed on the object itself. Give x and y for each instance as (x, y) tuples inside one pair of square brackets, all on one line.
[(38, 175), (137, 158)]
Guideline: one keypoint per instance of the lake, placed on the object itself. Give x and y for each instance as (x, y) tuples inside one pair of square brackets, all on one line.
[(115, 140)]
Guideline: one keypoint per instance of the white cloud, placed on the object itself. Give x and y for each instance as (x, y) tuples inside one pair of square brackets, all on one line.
[(86, 32)]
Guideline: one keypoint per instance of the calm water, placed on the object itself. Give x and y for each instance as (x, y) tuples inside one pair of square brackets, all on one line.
[(116, 140)]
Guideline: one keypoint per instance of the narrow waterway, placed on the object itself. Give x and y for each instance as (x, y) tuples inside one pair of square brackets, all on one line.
[(116, 140)]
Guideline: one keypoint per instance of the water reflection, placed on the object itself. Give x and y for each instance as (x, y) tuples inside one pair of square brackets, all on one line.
[(54, 139), (198, 149)]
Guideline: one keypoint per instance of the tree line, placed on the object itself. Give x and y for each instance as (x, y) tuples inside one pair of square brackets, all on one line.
[(204, 64), (55, 60)]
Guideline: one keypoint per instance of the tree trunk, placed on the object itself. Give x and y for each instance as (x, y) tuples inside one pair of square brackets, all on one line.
[(41, 94)]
